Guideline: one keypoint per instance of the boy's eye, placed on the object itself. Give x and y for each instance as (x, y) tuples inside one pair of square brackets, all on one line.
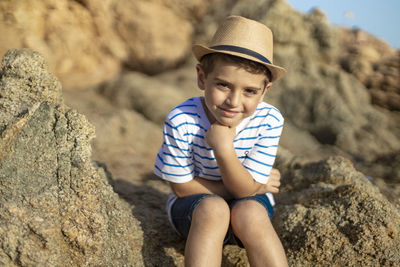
[(222, 85), (251, 91)]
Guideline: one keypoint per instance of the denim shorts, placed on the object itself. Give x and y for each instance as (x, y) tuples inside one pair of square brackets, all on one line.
[(182, 210)]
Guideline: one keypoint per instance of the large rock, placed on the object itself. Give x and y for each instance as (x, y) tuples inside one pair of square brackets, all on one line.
[(330, 214), (130, 153), (317, 95), (144, 94), (67, 36), (86, 42), (153, 45), (57, 207), (375, 64)]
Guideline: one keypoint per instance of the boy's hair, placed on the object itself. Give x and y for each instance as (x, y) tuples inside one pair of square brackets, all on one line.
[(208, 61)]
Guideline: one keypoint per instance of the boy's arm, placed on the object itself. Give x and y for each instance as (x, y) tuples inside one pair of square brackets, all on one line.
[(199, 186), (237, 180)]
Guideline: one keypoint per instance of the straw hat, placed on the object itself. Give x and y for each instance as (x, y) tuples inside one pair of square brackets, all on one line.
[(244, 38)]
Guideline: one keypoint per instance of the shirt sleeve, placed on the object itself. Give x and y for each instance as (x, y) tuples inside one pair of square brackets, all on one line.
[(174, 162), (262, 157)]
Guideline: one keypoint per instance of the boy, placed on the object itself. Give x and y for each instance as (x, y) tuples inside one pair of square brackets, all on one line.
[(219, 149)]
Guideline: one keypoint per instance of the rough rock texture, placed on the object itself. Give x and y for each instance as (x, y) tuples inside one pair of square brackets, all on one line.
[(375, 64), (320, 98), (57, 207), (330, 214), (67, 36), (141, 93), (87, 41)]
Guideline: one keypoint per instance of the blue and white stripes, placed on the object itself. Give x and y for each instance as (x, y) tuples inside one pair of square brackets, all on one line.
[(185, 153)]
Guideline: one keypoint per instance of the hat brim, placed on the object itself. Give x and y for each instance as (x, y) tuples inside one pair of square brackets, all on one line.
[(276, 72)]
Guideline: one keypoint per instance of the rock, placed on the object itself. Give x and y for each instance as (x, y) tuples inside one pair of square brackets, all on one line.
[(67, 36), (56, 205), (153, 45), (86, 42), (338, 98), (24, 81), (330, 214), (318, 97), (375, 64), (130, 153), (148, 96)]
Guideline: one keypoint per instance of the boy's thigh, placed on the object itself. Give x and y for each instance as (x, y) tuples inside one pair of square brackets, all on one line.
[(182, 211)]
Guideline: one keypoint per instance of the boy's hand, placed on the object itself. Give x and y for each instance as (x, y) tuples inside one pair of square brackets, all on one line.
[(272, 186), (220, 137)]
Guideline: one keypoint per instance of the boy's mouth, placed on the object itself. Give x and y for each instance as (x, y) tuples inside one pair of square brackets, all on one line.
[(229, 113)]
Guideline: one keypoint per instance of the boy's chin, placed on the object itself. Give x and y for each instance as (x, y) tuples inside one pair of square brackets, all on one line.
[(229, 124)]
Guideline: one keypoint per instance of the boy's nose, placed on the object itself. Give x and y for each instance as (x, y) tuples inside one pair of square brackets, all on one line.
[(233, 99)]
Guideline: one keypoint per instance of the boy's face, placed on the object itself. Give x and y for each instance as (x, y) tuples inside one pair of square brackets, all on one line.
[(231, 93)]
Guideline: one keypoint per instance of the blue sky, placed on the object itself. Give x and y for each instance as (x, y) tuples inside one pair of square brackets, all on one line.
[(380, 18)]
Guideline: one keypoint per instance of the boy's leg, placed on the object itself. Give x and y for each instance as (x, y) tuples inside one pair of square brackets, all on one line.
[(209, 225), (251, 224)]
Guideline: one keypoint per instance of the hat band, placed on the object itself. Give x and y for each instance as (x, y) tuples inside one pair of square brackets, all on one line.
[(241, 50)]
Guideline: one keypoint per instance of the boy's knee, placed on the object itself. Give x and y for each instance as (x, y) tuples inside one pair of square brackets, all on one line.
[(212, 210), (248, 216), (246, 207)]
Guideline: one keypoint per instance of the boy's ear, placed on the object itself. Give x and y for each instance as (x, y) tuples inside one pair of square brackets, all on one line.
[(269, 84), (201, 77)]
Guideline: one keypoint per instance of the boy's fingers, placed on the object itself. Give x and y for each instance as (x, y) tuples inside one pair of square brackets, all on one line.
[(275, 172), (274, 179), (275, 183), (274, 189)]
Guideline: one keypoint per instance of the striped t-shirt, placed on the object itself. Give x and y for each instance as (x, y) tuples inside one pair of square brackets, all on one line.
[(185, 153)]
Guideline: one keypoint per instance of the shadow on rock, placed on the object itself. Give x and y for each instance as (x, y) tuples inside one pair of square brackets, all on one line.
[(161, 245)]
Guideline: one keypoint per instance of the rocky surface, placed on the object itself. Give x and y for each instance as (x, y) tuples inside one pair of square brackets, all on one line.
[(57, 207), (328, 212), (141, 93), (318, 97), (88, 41), (375, 64)]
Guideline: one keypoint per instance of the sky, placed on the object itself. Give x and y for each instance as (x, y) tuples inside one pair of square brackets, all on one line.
[(378, 17)]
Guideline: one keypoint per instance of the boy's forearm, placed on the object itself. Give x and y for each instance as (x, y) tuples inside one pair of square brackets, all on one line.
[(200, 186), (235, 177), (238, 181)]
